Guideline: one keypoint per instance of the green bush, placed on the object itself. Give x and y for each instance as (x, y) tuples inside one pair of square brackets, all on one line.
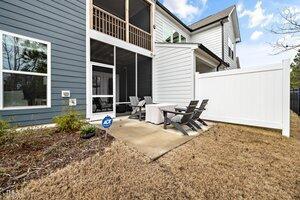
[(86, 129), (4, 126), (69, 122)]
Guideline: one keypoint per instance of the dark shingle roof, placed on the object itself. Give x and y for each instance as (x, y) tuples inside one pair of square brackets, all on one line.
[(203, 22), (212, 18)]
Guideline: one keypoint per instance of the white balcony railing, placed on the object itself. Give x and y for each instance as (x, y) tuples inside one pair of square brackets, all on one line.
[(112, 25), (108, 23), (139, 37)]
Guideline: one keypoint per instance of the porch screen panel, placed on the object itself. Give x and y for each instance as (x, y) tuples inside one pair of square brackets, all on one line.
[(102, 81), (139, 14), (102, 92), (102, 104), (115, 7), (102, 52), (125, 75), (144, 76)]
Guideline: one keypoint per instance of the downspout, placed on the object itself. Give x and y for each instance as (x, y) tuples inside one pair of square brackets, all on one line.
[(219, 66), (222, 25)]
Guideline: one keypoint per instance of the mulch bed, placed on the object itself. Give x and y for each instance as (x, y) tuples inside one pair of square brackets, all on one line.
[(32, 154)]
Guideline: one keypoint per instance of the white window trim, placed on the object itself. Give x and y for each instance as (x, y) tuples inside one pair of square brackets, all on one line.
[(48, 75), (173, 30)]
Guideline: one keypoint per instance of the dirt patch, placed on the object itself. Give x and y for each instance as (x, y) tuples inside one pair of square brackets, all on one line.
[(32, 154), (227, 162)]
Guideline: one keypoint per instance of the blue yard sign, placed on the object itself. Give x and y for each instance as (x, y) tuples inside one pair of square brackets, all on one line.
[(107, 122)]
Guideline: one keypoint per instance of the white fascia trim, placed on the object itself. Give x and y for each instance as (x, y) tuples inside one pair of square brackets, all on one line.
[(119, 43)]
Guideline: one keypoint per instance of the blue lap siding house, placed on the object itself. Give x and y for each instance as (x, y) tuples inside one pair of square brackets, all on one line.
[(94, 54), (63, 25)]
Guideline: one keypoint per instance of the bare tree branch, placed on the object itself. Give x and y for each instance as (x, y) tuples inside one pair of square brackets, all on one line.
[(290, 26)]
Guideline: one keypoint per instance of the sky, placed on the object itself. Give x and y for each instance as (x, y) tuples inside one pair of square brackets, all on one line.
[(256, 19)]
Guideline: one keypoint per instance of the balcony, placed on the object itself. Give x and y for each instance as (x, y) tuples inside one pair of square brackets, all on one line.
[(125, 29)]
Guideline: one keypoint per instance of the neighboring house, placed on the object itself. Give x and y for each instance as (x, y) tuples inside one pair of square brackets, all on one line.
[(94, 54)]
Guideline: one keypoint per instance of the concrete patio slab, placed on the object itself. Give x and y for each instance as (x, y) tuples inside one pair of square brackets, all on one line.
[(151, 140)]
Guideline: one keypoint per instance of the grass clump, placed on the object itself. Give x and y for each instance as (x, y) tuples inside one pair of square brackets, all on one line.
[(86, 129), (71, 121), (4, 127)]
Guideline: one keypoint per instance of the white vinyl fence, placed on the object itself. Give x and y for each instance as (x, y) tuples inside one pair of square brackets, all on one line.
[(256, 97)]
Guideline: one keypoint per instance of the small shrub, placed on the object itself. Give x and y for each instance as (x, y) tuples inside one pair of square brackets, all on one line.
[(69, 122), (86, 129), (4, 126)]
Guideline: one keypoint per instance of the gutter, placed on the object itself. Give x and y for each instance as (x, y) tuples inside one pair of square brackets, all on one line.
[(222, 19), (176, 18), (221, 61)]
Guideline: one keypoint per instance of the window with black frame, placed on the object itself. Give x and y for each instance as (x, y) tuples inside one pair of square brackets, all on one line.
[(229, 52), (25, 73), (230, 49)]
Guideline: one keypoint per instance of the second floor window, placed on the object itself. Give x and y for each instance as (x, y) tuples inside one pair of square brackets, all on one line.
[(172, 36), (230, 53), (230, 49), (176, 37)]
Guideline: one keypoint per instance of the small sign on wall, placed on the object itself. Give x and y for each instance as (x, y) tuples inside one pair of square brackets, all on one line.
[(65, 94), (72, 102)]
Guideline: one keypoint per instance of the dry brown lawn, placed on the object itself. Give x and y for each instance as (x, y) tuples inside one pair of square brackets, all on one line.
[(227, 162)]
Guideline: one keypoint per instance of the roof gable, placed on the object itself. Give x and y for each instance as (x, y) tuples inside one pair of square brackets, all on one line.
[(212, 18), (222, 15)]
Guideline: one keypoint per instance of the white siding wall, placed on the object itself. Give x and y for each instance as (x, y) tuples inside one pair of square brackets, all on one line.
[(161, 20), (211, 38), (228, 32), (173, 75)]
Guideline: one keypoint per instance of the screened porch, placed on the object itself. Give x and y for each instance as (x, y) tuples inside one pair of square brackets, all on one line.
[(127, 20), (117, 74)]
